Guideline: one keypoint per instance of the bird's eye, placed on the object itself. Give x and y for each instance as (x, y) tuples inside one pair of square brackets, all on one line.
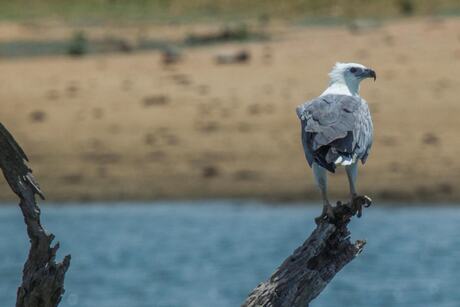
[(353, 70)]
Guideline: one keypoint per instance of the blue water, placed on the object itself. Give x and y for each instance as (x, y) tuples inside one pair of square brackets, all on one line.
[(184, 255)]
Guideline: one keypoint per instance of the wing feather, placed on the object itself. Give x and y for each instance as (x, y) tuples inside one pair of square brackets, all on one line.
[(330, 118)]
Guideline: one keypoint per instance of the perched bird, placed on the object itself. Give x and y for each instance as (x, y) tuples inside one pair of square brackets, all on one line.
[(337, 129)]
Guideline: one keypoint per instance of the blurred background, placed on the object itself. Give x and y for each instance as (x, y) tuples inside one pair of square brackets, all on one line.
[(164, 135)]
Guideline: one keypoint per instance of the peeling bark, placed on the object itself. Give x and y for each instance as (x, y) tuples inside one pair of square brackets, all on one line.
[(305, 273), (43, 278)]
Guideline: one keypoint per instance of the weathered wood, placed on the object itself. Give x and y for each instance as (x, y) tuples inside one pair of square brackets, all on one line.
[(305, 273), (43, 278)]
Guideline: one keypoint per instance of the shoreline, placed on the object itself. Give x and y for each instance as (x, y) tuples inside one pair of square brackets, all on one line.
[(127, 126)]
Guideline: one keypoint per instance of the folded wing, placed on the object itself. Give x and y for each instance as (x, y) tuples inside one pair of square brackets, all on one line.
[(334, 126)]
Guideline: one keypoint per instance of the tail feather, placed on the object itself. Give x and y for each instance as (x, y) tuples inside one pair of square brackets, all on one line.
[(344, 160)]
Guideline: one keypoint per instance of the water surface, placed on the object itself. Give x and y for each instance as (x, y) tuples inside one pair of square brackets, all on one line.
[(214, 254)]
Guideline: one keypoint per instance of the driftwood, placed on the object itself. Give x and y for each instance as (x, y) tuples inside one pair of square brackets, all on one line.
[(43, 278), (232, 57), (304, 274)]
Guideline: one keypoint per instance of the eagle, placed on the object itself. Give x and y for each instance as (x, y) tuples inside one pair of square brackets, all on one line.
[(337, 129)]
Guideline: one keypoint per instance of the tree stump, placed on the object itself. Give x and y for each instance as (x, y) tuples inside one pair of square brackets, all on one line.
[(305, 273), (43, 278)]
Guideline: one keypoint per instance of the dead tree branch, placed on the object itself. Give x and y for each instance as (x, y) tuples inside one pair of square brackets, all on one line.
[(304, 274), (43, 278)]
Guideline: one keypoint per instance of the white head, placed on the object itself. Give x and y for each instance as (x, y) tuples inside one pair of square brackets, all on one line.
[(347, 77)]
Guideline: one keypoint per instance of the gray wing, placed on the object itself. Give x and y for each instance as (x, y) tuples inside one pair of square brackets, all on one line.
[(364, 131), (335, 125)]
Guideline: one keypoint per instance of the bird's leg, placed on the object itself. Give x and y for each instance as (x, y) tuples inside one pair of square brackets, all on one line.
[(357, 201), (328, 210), (321, 180), (352, 174)]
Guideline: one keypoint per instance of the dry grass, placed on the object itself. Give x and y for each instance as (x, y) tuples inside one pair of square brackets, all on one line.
[(126, 127), (90, 11)]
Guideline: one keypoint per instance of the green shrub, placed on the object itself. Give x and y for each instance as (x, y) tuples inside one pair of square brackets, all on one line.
[(78, 45), (406, 7)]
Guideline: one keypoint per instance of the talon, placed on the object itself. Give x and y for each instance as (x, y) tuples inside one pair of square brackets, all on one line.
[(360, 211), (320, 218), (367, 201), (327, 214), (360, 201), (330, 213)]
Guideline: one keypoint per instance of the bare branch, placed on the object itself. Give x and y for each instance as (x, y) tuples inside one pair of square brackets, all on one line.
[(43, 278), (304, 274)]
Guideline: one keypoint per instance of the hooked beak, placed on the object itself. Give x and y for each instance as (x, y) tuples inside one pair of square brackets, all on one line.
[(369, 73)]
